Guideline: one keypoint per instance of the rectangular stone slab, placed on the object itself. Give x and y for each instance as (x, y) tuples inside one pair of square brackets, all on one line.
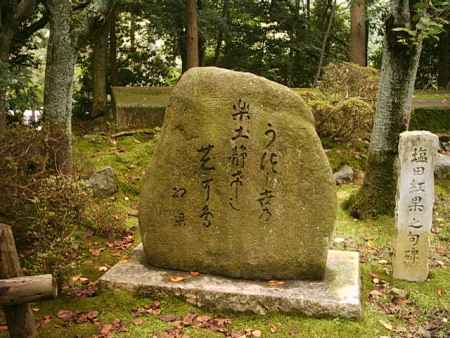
[(338, 295)]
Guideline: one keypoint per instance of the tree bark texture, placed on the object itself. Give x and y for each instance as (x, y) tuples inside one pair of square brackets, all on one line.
[(393, 110), (68, 30), (444, 59), (8, 26), (192, 52), (113, 48), (59, 74), (99, 63), (18, 317), (20, 290), (358, 44)]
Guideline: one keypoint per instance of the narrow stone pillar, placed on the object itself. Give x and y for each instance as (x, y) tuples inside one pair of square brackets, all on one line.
[(414, 207)]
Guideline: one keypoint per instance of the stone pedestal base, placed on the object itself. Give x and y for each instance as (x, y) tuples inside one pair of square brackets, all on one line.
[(338, 295)]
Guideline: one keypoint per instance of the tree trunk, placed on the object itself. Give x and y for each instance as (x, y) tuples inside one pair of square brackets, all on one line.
[(358, 35), (444, 59), (192, 54), (8, 25), (4, 53), (394, 104), (221, 31), (59, 74), (99, 63), (324, 44), (132, 34), (18, 317), (113, 48)]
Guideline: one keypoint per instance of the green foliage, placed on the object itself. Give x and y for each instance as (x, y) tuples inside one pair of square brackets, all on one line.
[(46, 209), (22, 91)]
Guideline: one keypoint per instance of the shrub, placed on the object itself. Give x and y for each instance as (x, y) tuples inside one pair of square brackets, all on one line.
[(347, 80), (45, 209), (347, 121)]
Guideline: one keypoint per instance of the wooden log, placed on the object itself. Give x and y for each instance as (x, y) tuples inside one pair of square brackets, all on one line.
[(20, 290), (18, 317), (132, 132)]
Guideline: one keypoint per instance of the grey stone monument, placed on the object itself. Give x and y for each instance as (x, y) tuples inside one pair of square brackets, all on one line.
[(239, 187), (414, 208)]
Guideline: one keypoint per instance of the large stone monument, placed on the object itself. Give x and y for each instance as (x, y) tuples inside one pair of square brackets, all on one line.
[(239, 184), (415, 199), (240, 187)]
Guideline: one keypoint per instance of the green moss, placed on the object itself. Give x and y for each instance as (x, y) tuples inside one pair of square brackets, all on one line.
[(436, 120), (127, 97), (371, 237)]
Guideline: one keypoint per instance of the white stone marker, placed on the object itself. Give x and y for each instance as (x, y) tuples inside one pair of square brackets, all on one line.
[(414, 209)]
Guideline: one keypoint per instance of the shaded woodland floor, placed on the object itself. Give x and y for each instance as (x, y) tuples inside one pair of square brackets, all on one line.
[(391, 308)]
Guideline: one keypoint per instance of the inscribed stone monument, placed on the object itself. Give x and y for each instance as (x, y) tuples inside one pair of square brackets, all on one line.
[(414, 210), (239, 184)]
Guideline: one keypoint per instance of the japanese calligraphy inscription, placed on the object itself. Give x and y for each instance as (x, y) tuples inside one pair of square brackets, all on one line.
[(415, 199), (239, 184)]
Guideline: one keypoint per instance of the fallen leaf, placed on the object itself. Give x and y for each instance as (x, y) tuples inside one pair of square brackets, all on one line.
[(375, 293), (176, 279), (257, 333), (273, 283), (103, 268), (66, 315), (195, 274), (46, 319), (3, 328), (106, 329), (91, 315), (168, 318), (273, 328), (138, 322), (95, 252), (386, 325)]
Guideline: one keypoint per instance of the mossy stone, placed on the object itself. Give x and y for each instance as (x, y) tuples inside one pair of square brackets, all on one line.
[(239, 184)]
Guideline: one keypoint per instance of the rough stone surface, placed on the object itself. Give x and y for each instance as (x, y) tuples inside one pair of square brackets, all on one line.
[(442, 167), (344, 175), (239, 184), (414, 209), (103, 182), (338, 295)]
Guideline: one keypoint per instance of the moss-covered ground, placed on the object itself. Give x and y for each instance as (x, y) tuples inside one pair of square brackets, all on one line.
[(391, 308)]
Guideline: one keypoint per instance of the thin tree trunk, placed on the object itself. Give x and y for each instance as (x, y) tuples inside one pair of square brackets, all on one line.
[(192, 34), (444, 59), (99, 63), (220, 35), (132, 34), (4, 53), (113, 49), (19, 317), (324, 44), (394, 104), (358, 35), (8, 25), (59, 74)]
